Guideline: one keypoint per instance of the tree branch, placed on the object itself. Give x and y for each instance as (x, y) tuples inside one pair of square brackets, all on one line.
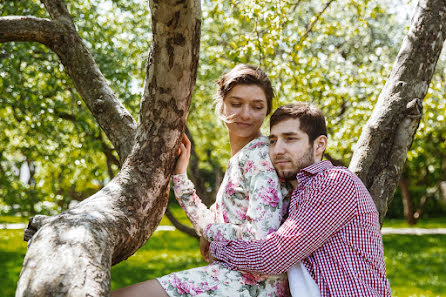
[(179, 226), (28, 28), (310, 26), (381, 151), (71, 253), (58, 11)]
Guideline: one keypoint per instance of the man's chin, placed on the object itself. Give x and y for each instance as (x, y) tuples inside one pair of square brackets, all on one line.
[(287, 175)]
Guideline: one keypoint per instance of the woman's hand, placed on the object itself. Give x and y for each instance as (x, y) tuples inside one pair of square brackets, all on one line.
[(183, 157), (204, 249)]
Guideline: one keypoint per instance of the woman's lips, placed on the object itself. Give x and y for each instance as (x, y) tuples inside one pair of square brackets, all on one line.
[(245, 125)]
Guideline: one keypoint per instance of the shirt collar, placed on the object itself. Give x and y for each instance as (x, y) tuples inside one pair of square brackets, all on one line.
[(315, 168)]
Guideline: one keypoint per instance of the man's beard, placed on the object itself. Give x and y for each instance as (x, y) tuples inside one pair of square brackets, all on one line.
[(306, 160)]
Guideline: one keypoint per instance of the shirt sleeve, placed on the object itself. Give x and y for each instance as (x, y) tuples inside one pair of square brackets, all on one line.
[(326, 211), (196, 211), (264, 213)]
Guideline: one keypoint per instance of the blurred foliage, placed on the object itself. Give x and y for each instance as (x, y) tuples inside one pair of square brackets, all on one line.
[(337, 54)]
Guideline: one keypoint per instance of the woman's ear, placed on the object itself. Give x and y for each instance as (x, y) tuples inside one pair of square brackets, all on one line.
[(319, 145)]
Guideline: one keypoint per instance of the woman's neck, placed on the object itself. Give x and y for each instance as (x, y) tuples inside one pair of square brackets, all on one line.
[(237, 142)]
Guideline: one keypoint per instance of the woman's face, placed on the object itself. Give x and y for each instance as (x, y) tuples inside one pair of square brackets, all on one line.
[(245, 106)]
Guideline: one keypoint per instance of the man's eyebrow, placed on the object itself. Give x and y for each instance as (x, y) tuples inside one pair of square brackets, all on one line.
[(289, 133)]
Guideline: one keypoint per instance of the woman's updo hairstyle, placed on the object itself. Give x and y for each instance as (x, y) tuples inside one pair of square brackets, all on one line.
[(243, 75)]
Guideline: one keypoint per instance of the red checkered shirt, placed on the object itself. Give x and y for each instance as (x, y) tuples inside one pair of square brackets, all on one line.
[(332, 227)]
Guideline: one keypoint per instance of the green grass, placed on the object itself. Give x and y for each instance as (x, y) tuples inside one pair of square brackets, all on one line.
[(12, 252), (164, 252), (423, 223), (12, 219), (415, 264)]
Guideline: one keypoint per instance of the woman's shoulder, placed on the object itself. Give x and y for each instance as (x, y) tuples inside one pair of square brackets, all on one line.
[(255, 153), (258, 144)]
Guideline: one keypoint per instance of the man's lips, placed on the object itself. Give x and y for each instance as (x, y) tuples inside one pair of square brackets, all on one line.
[(279, 162)]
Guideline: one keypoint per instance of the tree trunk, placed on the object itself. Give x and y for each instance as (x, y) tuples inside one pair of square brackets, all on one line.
[(381, 151), (71, 253), (407, 201)]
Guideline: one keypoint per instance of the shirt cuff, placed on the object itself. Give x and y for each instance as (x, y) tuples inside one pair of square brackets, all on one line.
[(217, 250)]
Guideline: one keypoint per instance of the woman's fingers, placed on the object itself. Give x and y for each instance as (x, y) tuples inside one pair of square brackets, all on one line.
[(185, 140)]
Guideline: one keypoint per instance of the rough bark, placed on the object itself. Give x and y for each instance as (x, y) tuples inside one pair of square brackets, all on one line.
[(381, 151), (71, 253)]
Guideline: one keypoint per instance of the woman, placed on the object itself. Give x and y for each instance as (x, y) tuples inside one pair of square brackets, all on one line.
[(248, 204)]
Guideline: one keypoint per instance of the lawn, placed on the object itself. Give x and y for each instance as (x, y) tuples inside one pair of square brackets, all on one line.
[(415, 264)]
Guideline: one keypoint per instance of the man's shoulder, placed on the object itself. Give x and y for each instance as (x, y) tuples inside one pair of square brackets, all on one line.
[(336, 174)]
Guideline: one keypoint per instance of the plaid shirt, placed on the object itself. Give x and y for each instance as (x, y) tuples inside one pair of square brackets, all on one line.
[(332, 227)]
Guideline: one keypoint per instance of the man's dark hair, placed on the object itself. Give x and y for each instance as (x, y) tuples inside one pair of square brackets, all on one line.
[(311, 118), (245, 75)]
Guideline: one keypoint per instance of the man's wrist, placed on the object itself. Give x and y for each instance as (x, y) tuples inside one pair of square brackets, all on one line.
[(216, 250)]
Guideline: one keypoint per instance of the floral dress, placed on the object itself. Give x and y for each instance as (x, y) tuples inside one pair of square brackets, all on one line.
[(248, 206)]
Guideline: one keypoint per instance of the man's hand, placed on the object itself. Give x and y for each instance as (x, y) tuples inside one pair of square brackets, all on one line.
[(204, 249)]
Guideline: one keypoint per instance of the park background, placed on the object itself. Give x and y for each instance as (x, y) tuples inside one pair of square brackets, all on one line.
[(336, 54)]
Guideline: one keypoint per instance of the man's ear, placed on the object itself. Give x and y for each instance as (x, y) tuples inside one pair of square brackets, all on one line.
[(319, 145)]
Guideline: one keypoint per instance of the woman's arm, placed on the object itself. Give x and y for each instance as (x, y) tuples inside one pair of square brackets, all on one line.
[(184, 189), (264, 212), (196, 211)]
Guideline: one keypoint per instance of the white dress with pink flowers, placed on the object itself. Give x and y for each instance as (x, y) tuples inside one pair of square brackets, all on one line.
[(248, 206)]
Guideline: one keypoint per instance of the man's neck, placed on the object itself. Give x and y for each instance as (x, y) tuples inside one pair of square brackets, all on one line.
[(294, 183)]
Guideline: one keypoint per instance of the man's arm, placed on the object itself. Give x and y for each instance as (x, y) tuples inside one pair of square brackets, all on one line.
[(317, 218)]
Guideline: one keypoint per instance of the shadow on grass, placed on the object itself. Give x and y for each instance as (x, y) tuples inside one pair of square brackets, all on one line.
[(163, 253), (416, 264)]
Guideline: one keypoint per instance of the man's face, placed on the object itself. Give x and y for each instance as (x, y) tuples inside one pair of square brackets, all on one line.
[(290, 149)]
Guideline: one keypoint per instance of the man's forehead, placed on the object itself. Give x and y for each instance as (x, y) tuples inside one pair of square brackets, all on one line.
[(290, 126)]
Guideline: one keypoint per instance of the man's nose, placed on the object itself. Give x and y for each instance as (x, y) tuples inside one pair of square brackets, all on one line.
[(278, 148)]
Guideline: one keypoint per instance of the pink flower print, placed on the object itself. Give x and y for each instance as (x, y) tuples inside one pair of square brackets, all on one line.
[(272, 182), (230, 188), (225, 216), (214, 272), (249, 166), (282, 289), (248, 279), (241, 214), (265, 164), (270, 197), (219, 236), (196, 200), (257, 144)]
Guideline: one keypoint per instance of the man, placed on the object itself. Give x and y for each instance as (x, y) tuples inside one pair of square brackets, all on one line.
[(332, 224)]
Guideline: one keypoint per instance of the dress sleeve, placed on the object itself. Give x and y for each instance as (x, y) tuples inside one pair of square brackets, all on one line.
[(196, 211), (264, 212)]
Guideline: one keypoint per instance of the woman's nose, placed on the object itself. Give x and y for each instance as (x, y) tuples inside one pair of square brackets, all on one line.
[(245, 113)]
